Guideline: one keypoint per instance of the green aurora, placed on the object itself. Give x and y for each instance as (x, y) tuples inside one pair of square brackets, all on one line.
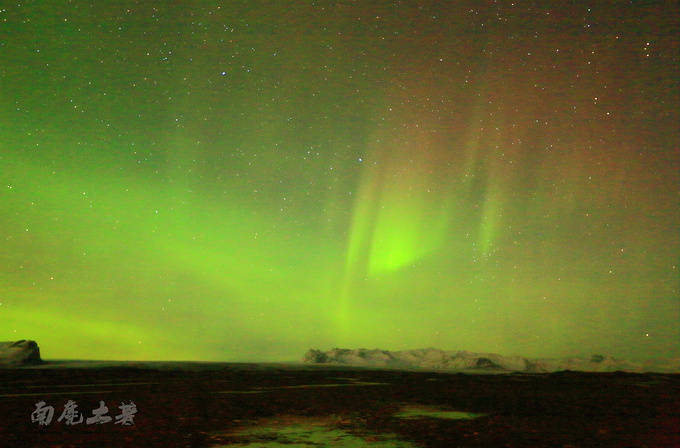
[(240, 181)]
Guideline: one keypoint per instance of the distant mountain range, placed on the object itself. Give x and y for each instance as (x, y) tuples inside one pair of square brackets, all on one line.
[(435, 359), (23, 352)]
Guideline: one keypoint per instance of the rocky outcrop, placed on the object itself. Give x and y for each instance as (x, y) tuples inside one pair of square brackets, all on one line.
[(19, 353)]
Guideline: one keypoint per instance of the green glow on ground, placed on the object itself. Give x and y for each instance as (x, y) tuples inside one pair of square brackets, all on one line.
[(415, 412), (289, 431)]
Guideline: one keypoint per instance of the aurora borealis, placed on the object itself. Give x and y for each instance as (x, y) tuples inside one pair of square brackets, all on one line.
[(244, 180)]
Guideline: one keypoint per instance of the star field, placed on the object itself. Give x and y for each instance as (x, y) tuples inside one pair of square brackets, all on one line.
[(245, 180)]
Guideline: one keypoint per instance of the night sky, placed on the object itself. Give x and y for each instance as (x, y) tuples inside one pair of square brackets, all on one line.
[(245, 180)]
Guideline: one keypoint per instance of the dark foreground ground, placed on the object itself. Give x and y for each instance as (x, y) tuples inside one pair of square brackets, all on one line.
[(202, 405)]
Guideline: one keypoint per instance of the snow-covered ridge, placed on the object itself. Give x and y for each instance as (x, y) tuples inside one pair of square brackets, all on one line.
[(435, 359)]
